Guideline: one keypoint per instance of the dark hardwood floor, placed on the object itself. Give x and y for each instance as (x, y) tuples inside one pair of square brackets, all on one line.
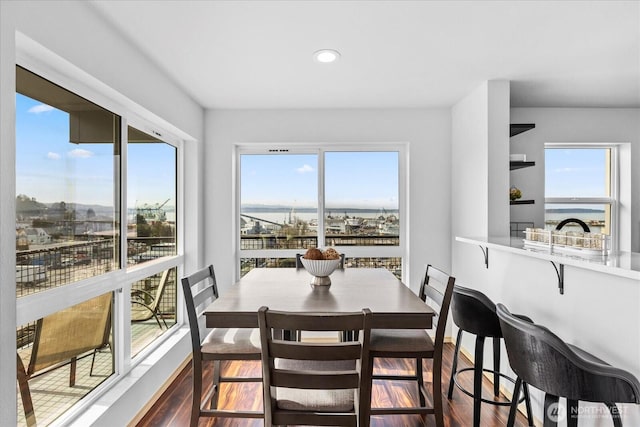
[(173, 407)]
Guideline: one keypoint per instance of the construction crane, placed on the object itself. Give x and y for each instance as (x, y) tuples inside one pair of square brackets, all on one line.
[(153, 213)]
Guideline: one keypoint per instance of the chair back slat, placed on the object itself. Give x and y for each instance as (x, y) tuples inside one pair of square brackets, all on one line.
[(199, 275), (433, 294), (202, 297), (314, 351), (314, 321), (314, 380), (436, 274)]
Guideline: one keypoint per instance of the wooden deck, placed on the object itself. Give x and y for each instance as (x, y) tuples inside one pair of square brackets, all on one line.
[(173, 407)]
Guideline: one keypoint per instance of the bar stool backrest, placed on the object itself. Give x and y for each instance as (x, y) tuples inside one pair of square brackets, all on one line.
[(546, 362), (474, 312)]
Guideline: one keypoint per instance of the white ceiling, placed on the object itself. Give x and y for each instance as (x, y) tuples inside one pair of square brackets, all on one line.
[(395, 54)]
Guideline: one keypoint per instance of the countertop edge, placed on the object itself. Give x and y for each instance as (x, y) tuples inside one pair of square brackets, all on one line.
[(596, 264)]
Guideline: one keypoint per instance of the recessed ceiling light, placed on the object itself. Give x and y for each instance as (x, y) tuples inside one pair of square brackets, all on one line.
[(326, 56)]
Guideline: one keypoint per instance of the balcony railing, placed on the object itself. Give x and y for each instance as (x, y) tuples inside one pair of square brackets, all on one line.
[(271, 241)]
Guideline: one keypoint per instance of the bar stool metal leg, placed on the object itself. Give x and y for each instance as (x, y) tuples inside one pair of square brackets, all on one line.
[(527, 402), (477, 380), (454, 367), (572, 413), (496, 366), (550, 415), (615, 414), (514, 404)]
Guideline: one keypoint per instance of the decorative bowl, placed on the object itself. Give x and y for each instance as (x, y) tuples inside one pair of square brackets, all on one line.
[(320, 269)]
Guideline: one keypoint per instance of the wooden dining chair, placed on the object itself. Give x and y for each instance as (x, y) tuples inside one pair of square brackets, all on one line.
[(200, 289), (314, 383), (417, 344)]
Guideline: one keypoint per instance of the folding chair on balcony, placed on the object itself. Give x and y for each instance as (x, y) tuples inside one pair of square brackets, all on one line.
[(145, 305), (61, 338)]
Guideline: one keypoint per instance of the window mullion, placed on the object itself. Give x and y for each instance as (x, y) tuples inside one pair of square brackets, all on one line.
[(122, 297), (321, 199)]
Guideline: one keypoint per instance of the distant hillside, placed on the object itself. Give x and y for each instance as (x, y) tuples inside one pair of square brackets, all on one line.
[(25, 204), (29, 206)]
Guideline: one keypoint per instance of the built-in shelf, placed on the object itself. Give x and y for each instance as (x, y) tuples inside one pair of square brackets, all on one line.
[(513, 165), (518, 128)]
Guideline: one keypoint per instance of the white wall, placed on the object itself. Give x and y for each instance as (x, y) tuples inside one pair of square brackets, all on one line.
[(480, 160), (72, 32), (427, 132), (470, 164), (578, 125)]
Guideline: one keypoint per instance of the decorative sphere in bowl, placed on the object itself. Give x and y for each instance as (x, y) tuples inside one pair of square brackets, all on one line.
[(321, 269)]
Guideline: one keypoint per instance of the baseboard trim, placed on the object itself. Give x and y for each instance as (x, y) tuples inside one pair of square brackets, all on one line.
[(140, 415)]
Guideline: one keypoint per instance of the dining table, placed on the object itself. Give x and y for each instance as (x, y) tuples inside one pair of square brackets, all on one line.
[(393, 305)]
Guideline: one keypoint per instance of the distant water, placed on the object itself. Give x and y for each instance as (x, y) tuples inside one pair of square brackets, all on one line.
[(584, 216)]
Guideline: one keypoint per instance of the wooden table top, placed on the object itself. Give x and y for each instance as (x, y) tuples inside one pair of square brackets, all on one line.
[(392, 304)]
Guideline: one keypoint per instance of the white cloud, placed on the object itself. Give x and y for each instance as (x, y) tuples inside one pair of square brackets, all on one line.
[(304, 169), (80, 153), (53, 156), (41, 108)]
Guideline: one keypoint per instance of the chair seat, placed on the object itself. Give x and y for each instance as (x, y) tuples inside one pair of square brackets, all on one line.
[(232, 343), (294, 399), (406, 341)]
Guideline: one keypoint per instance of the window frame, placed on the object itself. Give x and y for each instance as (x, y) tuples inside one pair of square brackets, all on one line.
[(32, 307), (614, 186), (320, 149)]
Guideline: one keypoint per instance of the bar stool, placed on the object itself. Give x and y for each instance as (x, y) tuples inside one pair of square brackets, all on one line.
[(543, 360), (475, 313)]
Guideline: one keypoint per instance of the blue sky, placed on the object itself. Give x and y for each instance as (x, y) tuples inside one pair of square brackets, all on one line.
[(51, 169), (575, 172), (359, 180)]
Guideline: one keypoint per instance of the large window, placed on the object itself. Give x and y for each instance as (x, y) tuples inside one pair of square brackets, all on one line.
[(294, 199), (151, 234), (151, 196), (580, 188), (361, 198), (279, 208), (67, 205), (74, 164)]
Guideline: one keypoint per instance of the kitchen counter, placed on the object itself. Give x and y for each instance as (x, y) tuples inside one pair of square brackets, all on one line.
[(622, 264)]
